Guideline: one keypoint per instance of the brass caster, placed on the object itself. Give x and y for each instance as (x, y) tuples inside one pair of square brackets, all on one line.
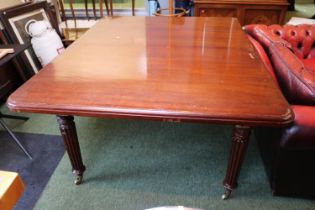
[(78, 179), (226, 194)]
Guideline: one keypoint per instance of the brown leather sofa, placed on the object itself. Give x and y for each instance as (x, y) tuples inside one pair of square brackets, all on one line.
[(288, 154)]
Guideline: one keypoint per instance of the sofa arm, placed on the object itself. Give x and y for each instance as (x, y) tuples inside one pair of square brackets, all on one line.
[(301, 135), (296, 81), (263, 56)]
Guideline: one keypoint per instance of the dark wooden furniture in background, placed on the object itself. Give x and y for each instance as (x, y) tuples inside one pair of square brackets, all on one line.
[(192, 69), (291, 6), (9, 81), (9, 78), (12, 71), (18, 48), (13, 17), (247, 11)]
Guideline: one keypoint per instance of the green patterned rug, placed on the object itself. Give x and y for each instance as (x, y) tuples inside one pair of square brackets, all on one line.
[(134, 165)]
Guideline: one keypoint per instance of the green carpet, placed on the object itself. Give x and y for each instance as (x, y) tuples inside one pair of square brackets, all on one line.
[(133, 165)]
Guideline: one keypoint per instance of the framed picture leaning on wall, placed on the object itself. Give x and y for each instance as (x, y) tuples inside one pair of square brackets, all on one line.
[(14, 20)]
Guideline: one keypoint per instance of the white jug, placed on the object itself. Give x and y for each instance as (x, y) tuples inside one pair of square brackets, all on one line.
[(45, 41)]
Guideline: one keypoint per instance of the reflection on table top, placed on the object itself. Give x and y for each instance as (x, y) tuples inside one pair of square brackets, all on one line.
[(186, 68)]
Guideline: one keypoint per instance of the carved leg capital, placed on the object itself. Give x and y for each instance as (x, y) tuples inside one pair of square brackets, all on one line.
[(238, 148), (70, 139)]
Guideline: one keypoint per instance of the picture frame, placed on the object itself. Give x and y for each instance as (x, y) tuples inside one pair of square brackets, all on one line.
[(14, 19)]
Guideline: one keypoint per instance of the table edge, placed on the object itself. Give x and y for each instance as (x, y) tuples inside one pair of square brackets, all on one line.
[(162, 115)]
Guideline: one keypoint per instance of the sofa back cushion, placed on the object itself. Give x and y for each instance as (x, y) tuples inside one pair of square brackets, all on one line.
[(301, 38), (292, 53)]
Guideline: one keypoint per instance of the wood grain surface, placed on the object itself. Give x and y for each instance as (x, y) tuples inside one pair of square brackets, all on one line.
[(247, 12), (174, 69)]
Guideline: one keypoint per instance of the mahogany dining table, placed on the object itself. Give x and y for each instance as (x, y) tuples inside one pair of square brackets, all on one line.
[(178, 69)]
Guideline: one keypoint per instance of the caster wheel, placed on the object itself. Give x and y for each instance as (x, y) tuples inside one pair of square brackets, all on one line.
[(226, 195), (78, 180)]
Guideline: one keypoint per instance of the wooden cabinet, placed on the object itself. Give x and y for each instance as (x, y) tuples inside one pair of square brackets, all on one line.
[(10, 77), (9, 80), (247, 12)]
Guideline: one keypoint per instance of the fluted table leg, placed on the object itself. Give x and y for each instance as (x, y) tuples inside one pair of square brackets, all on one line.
[(238, 148), (70, 139)]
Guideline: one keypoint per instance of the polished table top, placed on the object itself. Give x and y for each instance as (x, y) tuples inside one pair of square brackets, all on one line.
[(177, 69)]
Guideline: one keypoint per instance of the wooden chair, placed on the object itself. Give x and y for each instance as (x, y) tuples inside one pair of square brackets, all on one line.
[(72, 33), (73, 30), (171, 11), (133, 3), (108, 6)]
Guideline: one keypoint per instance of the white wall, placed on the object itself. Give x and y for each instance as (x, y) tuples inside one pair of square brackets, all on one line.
[(7, 3)]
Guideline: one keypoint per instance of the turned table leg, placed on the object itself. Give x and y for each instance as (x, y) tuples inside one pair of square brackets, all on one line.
[(70, 139), (133, 2), (238, 148)]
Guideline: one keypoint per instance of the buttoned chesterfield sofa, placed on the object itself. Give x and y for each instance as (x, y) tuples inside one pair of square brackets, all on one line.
[(288, 53)]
